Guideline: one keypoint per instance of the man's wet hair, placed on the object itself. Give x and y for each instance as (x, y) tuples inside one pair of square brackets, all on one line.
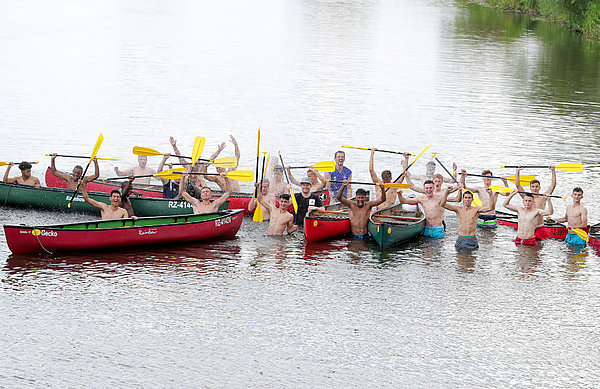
[(115, 191), (386, 175), (468, 192), (361, 192), (438, 175), (428, 182), (338, 152), (528, 195), (284, 196), (534, 182), (486, 172), (24, 165), (430, 165), (578, 190), (78, 167)]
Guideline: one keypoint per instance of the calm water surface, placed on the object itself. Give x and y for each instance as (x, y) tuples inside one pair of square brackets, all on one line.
[(483, 88)]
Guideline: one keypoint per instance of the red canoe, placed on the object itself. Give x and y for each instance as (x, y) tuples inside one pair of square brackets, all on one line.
[(108, 234), (595, 235), (327, 225), (555, 230)]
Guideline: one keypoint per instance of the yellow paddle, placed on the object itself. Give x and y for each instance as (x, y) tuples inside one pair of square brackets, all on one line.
[(476, 200), (581, 233), (367, 148), (8, 163), (324, 166), (385, 184), (566, 167), (83, 157), (294, 202), (412, 163), (237, 175), (226, 162), (197, 150), (96, 147), (258, 213), (524, 178)]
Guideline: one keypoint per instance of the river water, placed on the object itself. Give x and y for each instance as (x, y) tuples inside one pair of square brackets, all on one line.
[(483, 88)]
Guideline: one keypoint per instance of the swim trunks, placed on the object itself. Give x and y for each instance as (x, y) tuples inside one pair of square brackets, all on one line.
[(361, 236), (525, 242), (541, 232), (466, 243), (575, 240), (434, 232), (487, 221)]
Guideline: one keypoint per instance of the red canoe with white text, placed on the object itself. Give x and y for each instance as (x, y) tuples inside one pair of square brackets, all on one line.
[(110, 234)]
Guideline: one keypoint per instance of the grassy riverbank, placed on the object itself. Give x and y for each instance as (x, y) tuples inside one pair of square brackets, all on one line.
[(579, 15)]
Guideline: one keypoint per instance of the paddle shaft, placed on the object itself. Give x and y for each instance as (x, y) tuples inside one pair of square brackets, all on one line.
[(527, 166), (83, 157), (408, 167), (448, 171), (358, 182), (383, 151), (79, 183), (540, 194)]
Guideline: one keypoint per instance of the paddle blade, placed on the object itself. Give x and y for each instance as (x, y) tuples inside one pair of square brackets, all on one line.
[(294, 202), (581, 233), (525, 179), (240, 175), (170, 174), (476, 200), (396, 185), (418, 156), (570, 167), (96, 148), (324, 166), (501, 189), (198, 147), (258, 214), (226, 162), (137, 150)]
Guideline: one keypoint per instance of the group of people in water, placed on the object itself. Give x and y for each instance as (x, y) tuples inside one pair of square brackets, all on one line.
[(475, 206)]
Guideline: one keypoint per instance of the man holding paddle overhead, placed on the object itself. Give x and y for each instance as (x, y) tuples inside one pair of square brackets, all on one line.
[(340, 173), (528, 217), (486, 219), (576, 218), (235, 186), (468, 216), (432, 206), (386, 178), (359, 211), (73, 178), (266, 199), (140, 170), (25, 179), (204, 205), (539, 200), (317, 180)]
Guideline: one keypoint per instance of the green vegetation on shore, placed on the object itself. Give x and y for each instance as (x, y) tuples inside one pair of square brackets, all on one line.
[(579, 15)]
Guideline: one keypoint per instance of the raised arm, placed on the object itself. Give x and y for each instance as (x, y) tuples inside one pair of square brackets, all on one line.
[(412, 185), (492, 204), (182, 183), (95, 175), (293, 179), (173, 142), (403, 200), (216, 153), (327, 181), (444, 203), (237, 151), (54, 171), (553, 183), (259, 197), (449, 180), (518, 180), (380, 200), (221, 200), (374, 177), (320, 178), (87, 198), (506, 204), (340, 195), (6, 179), (550, 210), (161, 167)]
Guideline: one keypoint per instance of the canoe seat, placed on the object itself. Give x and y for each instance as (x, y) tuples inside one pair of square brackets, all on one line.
[(153, 222), (111, 224)]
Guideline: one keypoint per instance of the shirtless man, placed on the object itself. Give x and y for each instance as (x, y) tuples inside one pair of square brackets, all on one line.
[(25, 179), (73, 178), (438, 181), (386, 178), (278, 185), (340, 173), (125, 203), (539, 201), (576, 217), (318, 182), (204, 205), (359, 211), (267, 199), (486, 219), (140, 170), (108, 211), (429, 172), (281, 219), (528, 217), (235, 186), (467, 218), (432, 206)]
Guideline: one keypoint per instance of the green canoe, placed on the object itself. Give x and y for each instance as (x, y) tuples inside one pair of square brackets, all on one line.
[(54, 199), (396, 224)]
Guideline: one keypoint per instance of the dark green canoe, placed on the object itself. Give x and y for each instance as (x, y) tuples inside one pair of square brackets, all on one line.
[(395, 224), (54, 199)]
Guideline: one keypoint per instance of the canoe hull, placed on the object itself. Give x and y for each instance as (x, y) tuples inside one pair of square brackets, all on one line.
[(394, 225), (555, 230), (322, 225), (122, 233), (594, 235)]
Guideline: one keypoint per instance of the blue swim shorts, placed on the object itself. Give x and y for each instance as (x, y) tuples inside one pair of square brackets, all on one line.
[(575, 240), (434, 232)]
